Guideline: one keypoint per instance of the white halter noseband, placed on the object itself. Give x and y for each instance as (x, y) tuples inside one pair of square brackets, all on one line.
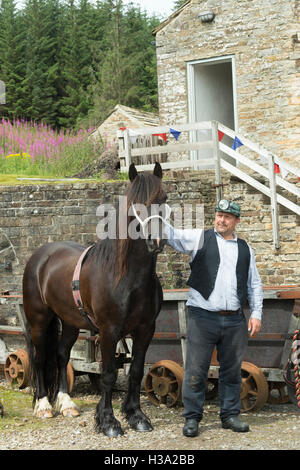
[(144, 223)]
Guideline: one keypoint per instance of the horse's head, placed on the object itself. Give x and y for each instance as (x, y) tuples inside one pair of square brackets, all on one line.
[(147, 204)]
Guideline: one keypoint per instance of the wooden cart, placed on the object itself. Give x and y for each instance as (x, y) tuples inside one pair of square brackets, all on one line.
[(262, 369)]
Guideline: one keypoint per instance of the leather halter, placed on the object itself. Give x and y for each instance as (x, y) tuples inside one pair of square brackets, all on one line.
[(76, 290)]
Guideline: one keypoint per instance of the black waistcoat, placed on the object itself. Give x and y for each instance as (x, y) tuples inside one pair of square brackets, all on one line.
[(206, 263)]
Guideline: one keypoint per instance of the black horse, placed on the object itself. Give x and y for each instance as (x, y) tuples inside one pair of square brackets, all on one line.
[(120, 292)]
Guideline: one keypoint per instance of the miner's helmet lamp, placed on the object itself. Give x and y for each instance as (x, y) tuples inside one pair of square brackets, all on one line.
[(228, 206)]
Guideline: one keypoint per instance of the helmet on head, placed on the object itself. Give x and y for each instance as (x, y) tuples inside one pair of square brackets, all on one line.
[(228, 206)]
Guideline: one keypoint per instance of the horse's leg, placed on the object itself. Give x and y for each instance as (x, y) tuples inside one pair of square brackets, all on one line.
[(64, 404), (131, 405), (38, 353), (105, 419)]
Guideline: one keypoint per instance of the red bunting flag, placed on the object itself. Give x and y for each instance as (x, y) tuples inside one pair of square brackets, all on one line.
[(221, 135), (163, 136), (276, 168)]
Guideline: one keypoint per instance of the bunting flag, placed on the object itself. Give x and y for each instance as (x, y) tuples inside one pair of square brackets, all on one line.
[(221, 135), (236, 143), (163, 136), (276, 168), (175, 133)]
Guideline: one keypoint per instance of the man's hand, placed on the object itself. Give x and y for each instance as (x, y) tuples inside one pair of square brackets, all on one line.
[(254, 326)]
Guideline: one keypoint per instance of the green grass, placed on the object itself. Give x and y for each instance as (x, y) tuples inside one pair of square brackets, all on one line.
[(17, 179), (18, 411)]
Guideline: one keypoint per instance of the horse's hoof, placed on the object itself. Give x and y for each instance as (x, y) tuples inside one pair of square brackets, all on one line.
[(44, 414), (70, 413), (113, 432), (43, 409), (143, 426)]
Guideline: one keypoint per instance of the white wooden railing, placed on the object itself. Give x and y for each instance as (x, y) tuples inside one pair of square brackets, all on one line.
[(265, 168)]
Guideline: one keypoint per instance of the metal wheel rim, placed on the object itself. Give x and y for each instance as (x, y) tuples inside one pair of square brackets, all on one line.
[(163, 383), (17, 369), (254, 390), (282, 396)]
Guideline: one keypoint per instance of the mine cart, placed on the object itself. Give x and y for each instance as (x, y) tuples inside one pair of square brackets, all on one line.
[(267, 373), (264, 374)]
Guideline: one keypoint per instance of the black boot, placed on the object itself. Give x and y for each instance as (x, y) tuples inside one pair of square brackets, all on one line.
[(190, 428), (235, 424)]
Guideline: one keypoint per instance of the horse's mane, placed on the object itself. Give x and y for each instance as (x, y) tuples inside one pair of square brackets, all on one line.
[(145, 189)]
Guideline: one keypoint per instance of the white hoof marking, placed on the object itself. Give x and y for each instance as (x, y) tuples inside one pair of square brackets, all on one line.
[(43, 409), (65, 405)]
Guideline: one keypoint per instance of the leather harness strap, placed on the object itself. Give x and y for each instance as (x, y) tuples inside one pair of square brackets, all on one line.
[(76, 290)]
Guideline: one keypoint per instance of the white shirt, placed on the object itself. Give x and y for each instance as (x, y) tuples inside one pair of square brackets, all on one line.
[(224, 295)]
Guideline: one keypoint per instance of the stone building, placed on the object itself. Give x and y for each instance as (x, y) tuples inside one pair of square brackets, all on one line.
[(237, 62), (120, 117)]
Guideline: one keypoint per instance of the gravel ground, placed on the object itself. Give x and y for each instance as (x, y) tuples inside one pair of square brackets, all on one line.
[(275, 427)]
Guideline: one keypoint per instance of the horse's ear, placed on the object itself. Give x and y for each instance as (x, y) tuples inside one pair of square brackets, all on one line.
[(158, 170), (132, 172)]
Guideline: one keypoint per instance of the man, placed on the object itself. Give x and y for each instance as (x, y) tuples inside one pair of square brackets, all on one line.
[(223, 277)]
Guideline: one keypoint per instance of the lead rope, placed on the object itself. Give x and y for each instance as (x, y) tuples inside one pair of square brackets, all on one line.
[(296, 365)]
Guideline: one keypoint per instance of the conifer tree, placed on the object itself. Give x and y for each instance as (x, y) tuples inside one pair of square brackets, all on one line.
[(178, 4), (127, 74), (42, 60), (11, 64), (69, 61)]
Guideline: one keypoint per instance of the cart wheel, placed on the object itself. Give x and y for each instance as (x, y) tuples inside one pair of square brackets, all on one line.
[(163, 383), (16, 368), (278, 393), (70, 377), (211, 390), (254, 390)]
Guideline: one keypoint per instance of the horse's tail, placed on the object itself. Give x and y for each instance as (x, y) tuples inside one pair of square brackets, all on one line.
[(50, 367)]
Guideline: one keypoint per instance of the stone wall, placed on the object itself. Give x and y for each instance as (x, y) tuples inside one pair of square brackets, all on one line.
[(263, 36), (33, 215)]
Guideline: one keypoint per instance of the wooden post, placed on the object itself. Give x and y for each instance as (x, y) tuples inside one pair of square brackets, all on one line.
[(121, 150), (274, 209), (21, 316), (216, 155), (182, 327), (127, 149)]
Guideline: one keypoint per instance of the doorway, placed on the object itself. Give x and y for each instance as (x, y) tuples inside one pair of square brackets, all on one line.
[(212, 96)]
